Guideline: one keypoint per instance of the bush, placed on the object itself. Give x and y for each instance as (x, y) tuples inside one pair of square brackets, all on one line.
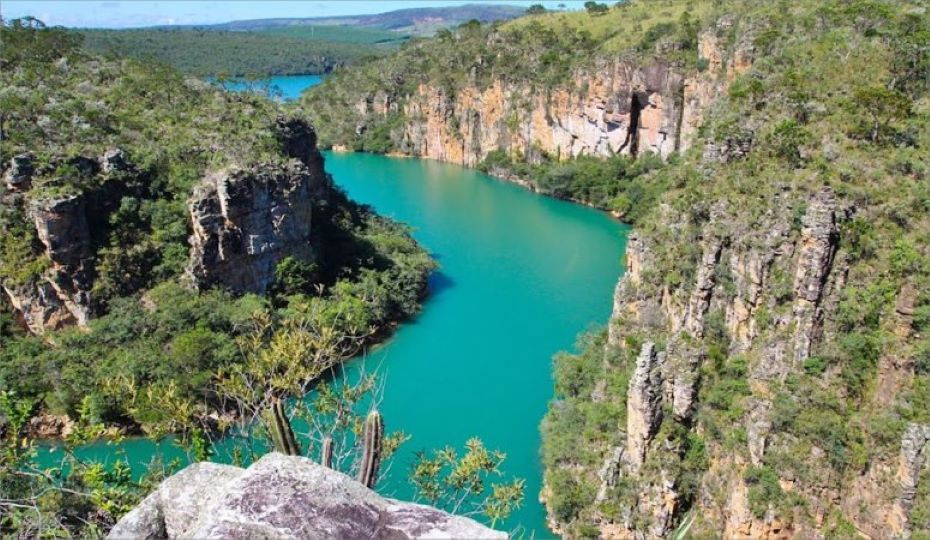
[(764, 489)]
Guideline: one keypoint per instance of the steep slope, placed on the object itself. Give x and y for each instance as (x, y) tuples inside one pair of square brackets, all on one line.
[(533, 92), (764, 374), (159, 215), (765, 361)]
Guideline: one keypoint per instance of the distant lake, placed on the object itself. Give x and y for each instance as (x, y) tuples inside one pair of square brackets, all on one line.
[(288, 87)]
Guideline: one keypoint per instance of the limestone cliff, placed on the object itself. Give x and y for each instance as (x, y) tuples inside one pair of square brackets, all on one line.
[(771, 288), (60, 295), (283, 497), (244, 220), (610, 105), (765, 364), (612, 108)]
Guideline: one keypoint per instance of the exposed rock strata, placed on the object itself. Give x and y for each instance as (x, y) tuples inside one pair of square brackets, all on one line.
[(644, 404), (283, 497), (611, 108), (769, 284), (61, 295), (246, 221)]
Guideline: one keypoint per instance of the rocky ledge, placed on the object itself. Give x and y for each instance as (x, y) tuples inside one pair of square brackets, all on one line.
[(283, 497)]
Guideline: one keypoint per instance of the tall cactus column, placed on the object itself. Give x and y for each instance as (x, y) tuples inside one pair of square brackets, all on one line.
[(372, 440), (279, 427), (327, 457)]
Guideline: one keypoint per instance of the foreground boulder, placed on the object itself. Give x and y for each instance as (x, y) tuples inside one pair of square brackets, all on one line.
[(283, 497)]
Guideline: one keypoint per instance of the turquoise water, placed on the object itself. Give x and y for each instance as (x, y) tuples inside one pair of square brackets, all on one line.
[(288, 87), (521, 275)]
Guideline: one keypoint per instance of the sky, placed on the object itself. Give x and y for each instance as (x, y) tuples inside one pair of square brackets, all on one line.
[(135, 13)]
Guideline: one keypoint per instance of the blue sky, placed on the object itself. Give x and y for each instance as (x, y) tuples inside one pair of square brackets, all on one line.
[(130, 13)]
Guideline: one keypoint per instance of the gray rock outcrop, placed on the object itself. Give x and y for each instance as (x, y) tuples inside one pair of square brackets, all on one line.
[(61, 295), (914, 457), (247, 220), (283, 497), (819, 236), (19, 176), (644, 404)]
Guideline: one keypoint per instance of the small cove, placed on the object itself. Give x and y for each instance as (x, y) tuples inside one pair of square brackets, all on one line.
[(287, 87)]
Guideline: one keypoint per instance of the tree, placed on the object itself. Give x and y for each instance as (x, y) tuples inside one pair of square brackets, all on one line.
[(536, 9), (595, 8), (879, 108), (459, 484)]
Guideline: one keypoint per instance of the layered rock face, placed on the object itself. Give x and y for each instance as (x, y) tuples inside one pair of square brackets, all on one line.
[(61, 295), (283, 497), (613, 107), (618, 108), (772, 286), (244, 221)]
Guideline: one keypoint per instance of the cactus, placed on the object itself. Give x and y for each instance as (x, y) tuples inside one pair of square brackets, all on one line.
[(372, 440), (279, 427), (327, 457)]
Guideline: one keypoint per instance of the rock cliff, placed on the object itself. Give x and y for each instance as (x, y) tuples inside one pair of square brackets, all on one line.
[(244, 220), (283, 497), (609, 105), (762, 301), (764, 360), (613, 108), (60, 295)]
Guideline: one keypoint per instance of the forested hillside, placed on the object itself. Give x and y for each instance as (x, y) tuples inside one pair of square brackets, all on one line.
[(418, 21), (163, 238), (287, 51), (765, 371), (299, 46), (510, 98)]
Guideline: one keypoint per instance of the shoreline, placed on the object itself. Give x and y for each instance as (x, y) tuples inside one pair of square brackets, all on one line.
[(497, 174)]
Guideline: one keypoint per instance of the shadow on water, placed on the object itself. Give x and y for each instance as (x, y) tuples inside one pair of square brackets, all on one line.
[(438, 282)]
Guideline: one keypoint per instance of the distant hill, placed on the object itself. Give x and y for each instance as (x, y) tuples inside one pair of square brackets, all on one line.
[(286, 46), (284, 51), (416, 21)]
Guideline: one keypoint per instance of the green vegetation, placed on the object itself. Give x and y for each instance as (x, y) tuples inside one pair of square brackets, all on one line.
[(418, 21), (621, 184), (153, 332), (459, 484), (578, 430), (285, 51), (283, 46), (159, 358), (829, 101)]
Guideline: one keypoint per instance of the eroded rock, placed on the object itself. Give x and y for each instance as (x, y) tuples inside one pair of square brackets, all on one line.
[(19, 175), (283, 497), (247, 220), (644, 404), (817, 247)]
